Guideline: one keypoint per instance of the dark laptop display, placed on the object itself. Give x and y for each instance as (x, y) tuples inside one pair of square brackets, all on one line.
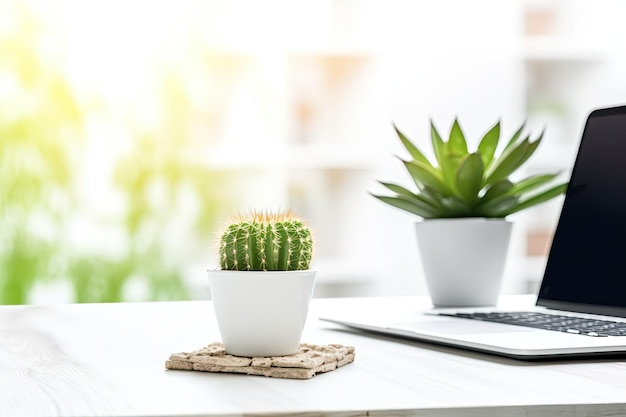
[(586, 269)]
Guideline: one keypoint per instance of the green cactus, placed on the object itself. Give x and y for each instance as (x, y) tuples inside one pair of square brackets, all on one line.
[(266, 242)]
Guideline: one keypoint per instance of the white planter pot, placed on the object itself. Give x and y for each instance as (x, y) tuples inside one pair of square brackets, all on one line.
[(261, 313), (464, 259)]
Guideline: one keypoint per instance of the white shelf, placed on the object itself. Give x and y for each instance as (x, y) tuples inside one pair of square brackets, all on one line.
[(338, 51), (321, 156), (556, 49), (328, 156)]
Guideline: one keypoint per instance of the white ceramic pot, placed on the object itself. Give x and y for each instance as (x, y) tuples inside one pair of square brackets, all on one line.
[(261, 313), (464, 259)]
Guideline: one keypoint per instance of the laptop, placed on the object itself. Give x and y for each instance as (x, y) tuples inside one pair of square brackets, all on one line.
[(580, 308)]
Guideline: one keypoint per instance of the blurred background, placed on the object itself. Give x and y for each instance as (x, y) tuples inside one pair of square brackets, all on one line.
[(130, 131)]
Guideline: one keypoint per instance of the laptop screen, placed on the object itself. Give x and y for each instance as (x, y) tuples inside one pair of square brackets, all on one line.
[(586, 268)]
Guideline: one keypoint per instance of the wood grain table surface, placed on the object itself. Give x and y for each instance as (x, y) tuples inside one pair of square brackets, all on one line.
[(108, 360)]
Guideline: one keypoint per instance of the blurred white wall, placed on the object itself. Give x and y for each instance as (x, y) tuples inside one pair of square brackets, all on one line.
[(294, 102)]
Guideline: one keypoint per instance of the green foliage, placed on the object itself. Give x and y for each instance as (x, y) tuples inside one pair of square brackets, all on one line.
[(42, 201), (98, 278), (266, 242), (39, 124), (460, 183)]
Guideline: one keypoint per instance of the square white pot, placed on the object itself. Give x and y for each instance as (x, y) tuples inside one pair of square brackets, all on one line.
[(464, 259), (261, 313)]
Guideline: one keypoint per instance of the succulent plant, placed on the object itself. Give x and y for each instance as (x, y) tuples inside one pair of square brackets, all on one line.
[(266, 242), (460, 183)]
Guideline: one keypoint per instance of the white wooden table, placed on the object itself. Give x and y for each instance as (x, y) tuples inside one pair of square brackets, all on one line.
[(108, 359)]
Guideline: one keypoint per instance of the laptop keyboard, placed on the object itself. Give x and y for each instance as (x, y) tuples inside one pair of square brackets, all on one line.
[(559, 323)]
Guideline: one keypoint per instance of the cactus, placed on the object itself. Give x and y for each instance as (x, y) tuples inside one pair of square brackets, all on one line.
[(266, 242)]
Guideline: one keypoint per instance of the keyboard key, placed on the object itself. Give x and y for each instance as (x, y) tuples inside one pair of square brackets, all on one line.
[(554, 322)]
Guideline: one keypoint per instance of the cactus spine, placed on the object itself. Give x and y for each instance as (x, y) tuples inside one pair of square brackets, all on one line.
[(266, 242)]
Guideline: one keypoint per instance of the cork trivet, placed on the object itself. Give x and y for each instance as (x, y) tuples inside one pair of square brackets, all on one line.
[(306, 363)]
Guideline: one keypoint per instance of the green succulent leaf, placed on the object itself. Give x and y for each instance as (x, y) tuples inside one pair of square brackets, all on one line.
[(428, 176), (457, 146), (413, 150), (469, 177), (531, 183), (439, 146), (488, 144), (398, 189), (432, 196), (422, 198), (515, 159), (410, 205), (449, 170), (499, 206), (515, 137), (509, 161), (418, 199), (455, 207), (533, 147), (497, 189), (539, 198)]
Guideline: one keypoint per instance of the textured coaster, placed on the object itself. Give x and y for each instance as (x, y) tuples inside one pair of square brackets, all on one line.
[(309, 361)]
